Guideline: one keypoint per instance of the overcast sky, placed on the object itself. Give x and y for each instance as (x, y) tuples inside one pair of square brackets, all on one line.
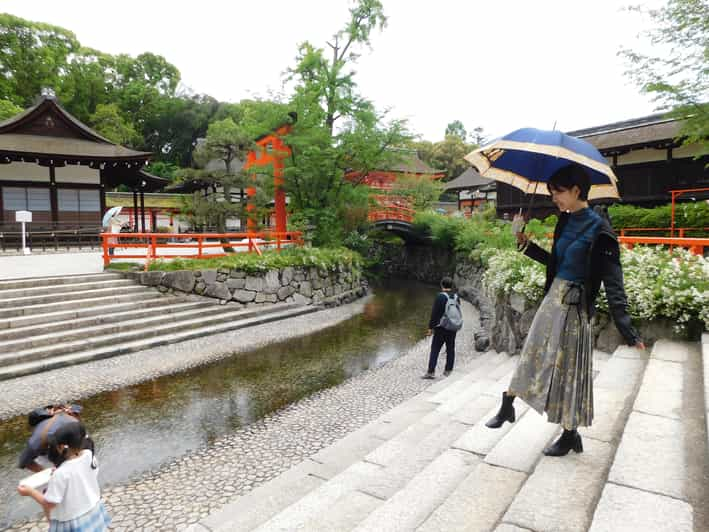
[(501, 65)]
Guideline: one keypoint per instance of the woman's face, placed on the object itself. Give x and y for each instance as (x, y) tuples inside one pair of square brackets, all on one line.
[(566, 199)]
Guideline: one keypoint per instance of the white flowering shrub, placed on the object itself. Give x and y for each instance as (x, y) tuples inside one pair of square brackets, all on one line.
[(508, 271), (658, 284)]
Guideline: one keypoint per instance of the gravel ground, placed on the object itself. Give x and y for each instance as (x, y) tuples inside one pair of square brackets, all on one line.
[(191, 487)]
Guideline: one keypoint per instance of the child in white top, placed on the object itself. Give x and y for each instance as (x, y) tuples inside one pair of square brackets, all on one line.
[(72, 501)]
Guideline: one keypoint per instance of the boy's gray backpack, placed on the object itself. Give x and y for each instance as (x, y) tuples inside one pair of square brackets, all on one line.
[(452, 319)]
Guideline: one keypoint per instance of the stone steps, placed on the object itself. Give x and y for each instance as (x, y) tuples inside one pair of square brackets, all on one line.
[(122, 344), (65, 288), (56, 281), (63, 321), (52, 322), (125, 326), (431, 465), (656, 479)]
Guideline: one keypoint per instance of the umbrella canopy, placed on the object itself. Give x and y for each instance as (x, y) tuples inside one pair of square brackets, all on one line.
[(110, 213), (527, 158)]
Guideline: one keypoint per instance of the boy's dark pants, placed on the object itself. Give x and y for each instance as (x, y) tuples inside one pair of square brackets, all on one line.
[(442, 336)]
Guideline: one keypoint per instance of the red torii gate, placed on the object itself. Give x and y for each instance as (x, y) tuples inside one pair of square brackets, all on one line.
[(270, 150)]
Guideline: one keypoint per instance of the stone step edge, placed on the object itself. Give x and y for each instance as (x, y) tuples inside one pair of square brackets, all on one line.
[(73, 346), (20, 370), (35, 320), (119, 326), (296, 476), (33, 281), (18, 302), (14, 293), (169, 307), (36, 310)]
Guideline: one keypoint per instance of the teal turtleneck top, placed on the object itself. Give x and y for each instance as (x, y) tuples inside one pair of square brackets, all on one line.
[(574, 244)]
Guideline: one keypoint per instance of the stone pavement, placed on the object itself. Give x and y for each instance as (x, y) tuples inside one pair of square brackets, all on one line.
[(49, 264), (430, 465)]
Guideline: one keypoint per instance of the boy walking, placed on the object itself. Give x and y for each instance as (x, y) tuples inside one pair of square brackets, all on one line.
[(446, 320)]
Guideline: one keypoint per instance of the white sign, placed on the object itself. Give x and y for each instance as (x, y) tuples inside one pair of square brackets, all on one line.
[(23, 216)]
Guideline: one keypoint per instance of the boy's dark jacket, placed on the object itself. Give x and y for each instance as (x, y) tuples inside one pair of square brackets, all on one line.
[(439, 308), (602, 264)]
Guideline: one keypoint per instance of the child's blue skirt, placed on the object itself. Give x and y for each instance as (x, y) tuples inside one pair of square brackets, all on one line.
[(95, 520)]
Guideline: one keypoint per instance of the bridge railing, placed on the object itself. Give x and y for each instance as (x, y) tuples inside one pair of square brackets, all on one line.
[(401, 214), (154, 246)]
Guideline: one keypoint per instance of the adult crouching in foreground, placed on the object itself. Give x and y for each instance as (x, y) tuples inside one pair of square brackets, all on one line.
[(555, 371)]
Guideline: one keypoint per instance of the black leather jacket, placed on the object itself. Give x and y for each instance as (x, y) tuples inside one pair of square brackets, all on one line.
[(602, 264)]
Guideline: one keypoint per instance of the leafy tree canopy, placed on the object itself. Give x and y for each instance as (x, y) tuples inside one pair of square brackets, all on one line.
[(338, 131), (677, 76), (108, 121), (8, 109)]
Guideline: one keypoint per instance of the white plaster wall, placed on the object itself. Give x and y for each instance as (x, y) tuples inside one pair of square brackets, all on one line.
[(24, 172), (77, 174)]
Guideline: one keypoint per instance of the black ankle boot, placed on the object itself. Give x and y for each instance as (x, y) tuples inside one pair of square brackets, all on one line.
[(569, 439), (506, 412)]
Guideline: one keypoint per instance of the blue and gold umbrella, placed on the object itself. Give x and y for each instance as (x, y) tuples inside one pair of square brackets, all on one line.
[(527, 158)]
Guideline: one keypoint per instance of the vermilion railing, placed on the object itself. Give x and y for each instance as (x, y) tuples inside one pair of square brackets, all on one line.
[(252, 242), (392, 213), (681, 231), (695, 245)]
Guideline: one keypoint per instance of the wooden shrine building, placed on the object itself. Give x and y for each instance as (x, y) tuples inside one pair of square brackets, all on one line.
[(60, 169)]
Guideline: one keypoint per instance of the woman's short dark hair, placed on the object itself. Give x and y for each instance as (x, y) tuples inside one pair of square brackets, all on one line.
[(447, 282), (570, 176)]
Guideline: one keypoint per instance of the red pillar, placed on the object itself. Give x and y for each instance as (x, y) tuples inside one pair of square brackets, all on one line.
[(279, 196)]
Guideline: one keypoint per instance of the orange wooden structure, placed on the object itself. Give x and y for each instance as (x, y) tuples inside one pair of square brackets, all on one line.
[(270, 151), (695, 245), (675, 194), (157, 243), (390, 203)]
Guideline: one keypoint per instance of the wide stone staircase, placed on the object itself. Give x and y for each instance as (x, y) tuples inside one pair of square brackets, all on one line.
[(52, 322), (430, 464)]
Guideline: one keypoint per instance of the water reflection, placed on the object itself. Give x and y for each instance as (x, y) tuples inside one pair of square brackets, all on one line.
[(140, 427)]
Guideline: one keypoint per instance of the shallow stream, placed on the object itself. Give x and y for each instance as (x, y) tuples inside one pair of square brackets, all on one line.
[(141, 427)]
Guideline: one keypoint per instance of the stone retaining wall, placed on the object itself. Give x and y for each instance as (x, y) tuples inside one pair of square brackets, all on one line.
[(504, 320), (303, 285)]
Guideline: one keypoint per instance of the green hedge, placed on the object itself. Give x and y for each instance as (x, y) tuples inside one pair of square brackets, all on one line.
[(270, 260), (694, 214)]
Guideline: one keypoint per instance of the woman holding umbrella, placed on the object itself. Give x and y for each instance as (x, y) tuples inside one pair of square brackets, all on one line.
[(554, 374)]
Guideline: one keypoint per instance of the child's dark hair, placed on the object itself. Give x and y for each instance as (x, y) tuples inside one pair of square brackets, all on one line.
[(568, 177), (447, 283), (73, 435)]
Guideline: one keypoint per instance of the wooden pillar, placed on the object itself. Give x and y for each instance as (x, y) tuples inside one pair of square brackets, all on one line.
[(53, 196), (135, 210), (102, 193), (142, 210), (279, 198)]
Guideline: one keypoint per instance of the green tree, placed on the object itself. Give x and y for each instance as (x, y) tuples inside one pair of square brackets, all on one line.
[(229, 143), (108, 121), (456, 129), (33, 55), (338, 131), (677, 76), (86, 82), (448, 155), (8, 109)]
